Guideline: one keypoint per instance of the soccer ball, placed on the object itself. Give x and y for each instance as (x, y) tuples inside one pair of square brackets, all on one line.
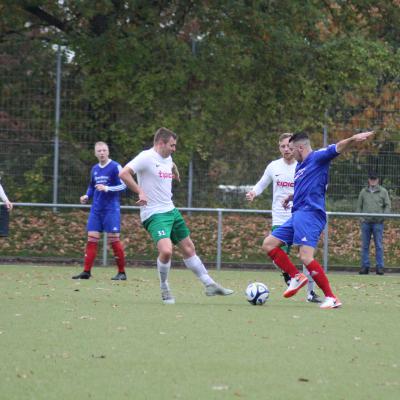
[(257, 293)]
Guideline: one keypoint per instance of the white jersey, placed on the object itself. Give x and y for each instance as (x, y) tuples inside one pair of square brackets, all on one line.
[(3, 195), (282, 177), (154, 175)]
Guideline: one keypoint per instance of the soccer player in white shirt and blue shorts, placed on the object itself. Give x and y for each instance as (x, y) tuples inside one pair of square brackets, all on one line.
[(154, 169), (281, 174)]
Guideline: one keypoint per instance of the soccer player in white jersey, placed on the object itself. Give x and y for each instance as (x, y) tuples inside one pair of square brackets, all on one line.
[(4, 198), (165, 224), (281, 174), (104, 188)]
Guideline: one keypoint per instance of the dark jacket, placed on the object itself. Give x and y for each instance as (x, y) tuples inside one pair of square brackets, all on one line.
[(374, 201)]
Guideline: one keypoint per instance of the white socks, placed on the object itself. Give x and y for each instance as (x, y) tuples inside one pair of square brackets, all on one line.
[(310, 283), (163, 271), (195, 264)]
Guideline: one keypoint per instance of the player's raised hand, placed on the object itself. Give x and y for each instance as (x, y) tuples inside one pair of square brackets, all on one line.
[(250, 195), (360, 137)]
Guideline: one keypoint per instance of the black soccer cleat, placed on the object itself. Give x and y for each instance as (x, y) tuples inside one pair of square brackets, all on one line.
[(121, 276), (312, 297), (82, 275), (286, 277)]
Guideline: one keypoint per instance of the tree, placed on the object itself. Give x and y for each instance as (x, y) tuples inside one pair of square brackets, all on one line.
[(259, 68)]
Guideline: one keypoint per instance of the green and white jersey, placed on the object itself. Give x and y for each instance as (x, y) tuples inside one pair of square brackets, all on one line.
[(281, 175), (154, 175)]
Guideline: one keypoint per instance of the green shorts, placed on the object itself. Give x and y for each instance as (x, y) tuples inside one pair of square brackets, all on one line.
[(167, 225), (285, 248)]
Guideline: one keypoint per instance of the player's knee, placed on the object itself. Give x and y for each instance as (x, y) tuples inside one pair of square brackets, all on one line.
[(165, 254), (268, 244), (113, 238), (93, 238), (305, 258)]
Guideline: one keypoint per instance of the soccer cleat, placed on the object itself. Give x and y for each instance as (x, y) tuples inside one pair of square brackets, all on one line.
[(296, 284), (217, 290), (380, 271), (121, 276), (167, 297), (364, 271), (83, 275), (312, 297), (330, 302)]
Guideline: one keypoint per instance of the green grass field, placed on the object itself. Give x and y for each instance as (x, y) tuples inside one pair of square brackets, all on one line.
[(99, 339)]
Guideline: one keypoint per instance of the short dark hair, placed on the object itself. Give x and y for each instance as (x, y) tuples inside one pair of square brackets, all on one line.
[(298, 136), (372, 175), (164, 134)]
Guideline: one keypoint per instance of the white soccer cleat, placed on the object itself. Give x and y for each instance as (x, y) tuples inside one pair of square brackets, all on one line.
[(295, 285), (330, 302), (217, 290), (167, 297)]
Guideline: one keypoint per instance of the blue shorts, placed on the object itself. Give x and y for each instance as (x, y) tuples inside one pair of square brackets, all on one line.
[(303, 228), (104, 221)]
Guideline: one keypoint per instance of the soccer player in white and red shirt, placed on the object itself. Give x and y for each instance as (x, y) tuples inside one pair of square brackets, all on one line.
[(154, 169), (281, 174)]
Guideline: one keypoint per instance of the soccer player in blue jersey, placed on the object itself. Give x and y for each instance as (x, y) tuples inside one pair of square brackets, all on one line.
[(308, 214), (281, 174), (104, 188)]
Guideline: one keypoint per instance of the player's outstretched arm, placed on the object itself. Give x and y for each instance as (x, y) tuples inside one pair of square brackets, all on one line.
[(126, 176), (348, 143)]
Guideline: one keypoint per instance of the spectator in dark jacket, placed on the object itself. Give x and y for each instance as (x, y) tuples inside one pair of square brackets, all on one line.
[(373, 199)]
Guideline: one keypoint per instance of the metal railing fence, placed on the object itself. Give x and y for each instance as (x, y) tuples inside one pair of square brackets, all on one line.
[(220, 213)]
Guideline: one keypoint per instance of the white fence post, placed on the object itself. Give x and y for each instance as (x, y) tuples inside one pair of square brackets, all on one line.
[(104, 249), (219, 240)]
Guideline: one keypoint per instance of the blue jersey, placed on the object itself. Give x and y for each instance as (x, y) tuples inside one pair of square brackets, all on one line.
[(311, 179), (105, 175)]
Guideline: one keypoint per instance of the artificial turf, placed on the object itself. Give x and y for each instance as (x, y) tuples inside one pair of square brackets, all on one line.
[(101, 339)]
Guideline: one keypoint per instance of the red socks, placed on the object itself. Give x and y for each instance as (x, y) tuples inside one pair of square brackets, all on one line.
[(90, 253), (119, 254), (281, 259), (320, 278)]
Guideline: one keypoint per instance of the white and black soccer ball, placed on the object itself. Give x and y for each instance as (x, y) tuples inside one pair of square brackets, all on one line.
[(257, 293)]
